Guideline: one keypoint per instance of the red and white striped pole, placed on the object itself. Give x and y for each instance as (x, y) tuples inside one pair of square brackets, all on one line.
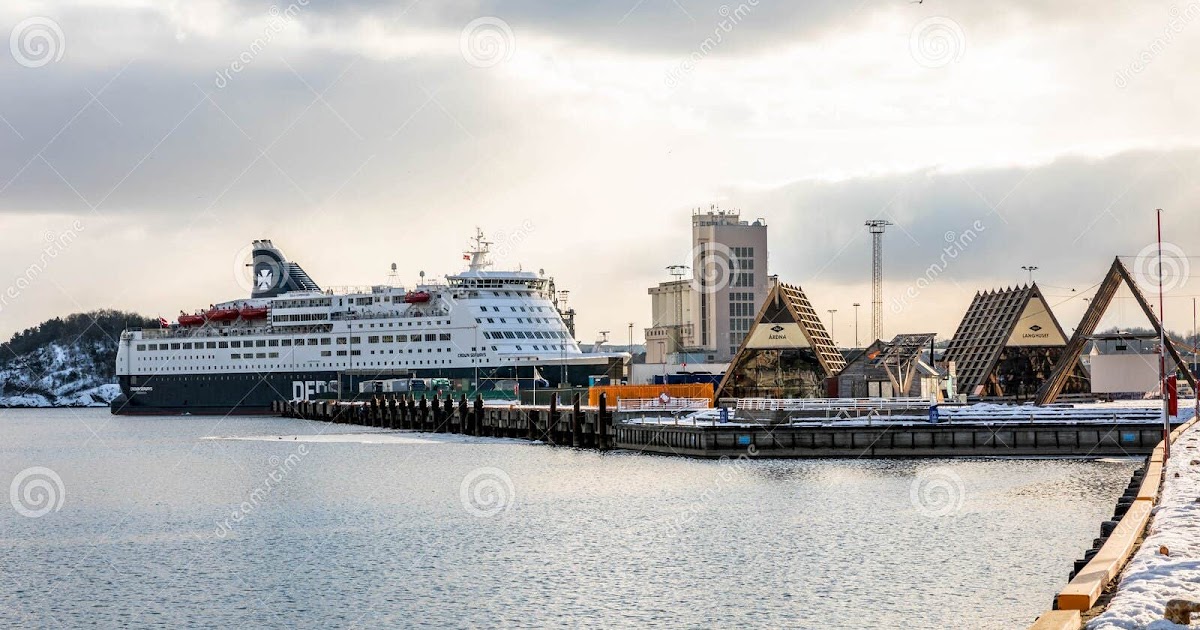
[(1162, 349)]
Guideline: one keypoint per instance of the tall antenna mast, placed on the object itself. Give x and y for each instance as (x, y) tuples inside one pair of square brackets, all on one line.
[(876, 227)]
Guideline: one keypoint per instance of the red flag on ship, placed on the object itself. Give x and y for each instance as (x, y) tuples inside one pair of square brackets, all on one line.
[(163, 323), (466, 257)]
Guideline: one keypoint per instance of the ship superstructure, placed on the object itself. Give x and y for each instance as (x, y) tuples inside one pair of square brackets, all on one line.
[(292, 340)]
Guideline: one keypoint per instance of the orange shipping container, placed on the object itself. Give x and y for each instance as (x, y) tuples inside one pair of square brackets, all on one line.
[(617, 392)]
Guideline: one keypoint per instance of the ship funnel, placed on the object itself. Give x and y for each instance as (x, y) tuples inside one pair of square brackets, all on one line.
[(273, 274)]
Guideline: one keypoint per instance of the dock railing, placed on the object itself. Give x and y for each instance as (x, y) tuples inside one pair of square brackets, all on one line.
[(663, 410), (661, 404), (823, 404)]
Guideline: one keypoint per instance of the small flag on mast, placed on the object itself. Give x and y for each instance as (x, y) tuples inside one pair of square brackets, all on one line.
[(466, 257), (163, 323)]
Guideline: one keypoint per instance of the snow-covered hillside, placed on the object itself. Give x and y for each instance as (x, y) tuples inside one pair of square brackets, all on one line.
[(55, 376), (64, 362)]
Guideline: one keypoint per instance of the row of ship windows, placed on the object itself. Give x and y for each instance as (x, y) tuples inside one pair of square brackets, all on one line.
[(524, 334), (325, 341), (520, 320), (532, 309), (315, 365), (327, 353), (397, 299), (263, 343), (417, 323), (275, 355), (300, 317), (382, 299)]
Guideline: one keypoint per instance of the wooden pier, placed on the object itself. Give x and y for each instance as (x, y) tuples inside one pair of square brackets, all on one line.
[(576, 426)]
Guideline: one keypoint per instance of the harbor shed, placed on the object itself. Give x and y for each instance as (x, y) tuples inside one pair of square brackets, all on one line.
[(892, 369), (786, 354), (1123, 363)]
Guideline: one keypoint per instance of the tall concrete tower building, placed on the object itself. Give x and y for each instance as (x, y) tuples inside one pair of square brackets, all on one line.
[(703, 319), (729, 279)]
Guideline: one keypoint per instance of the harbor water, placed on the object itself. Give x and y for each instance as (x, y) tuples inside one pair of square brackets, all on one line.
[(186, 521)]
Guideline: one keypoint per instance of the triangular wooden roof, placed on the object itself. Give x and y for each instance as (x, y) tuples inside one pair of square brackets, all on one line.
[(990, 324), (785, 306), (1117, 274)]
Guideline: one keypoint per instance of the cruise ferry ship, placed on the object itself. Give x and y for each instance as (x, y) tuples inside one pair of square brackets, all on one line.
[(483, 329)]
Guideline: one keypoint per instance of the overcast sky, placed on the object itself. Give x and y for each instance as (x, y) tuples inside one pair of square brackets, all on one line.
[(144, 143)]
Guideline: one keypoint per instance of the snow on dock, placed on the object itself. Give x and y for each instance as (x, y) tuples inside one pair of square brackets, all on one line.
[(1152, 578), (854, 412)]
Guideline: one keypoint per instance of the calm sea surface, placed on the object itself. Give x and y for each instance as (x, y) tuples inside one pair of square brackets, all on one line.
[(153, 522)]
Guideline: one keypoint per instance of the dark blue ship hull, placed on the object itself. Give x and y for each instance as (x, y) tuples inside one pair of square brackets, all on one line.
[(253, 393)]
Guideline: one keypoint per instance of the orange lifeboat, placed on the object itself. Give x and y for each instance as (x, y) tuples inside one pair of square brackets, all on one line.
[(191, 320), (221, 314), (416, 297), (254, 312)]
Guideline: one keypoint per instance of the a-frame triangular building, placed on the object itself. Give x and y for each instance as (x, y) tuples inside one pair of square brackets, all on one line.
[(1007, 345), (1117, 274), (786, 354)]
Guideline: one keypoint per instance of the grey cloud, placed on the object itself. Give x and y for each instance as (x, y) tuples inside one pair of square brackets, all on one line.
[(1068, 217), (677, 27), (159, 139)]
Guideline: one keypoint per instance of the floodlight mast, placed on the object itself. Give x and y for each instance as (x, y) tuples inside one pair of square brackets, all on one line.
[(876, 228)]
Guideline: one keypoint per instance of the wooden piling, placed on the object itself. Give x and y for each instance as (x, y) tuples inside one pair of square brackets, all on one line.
[(603, 421), (576, 420)]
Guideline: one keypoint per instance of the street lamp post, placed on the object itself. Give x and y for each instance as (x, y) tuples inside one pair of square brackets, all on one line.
[(856, 305), (831, 312), (1030, 269)]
